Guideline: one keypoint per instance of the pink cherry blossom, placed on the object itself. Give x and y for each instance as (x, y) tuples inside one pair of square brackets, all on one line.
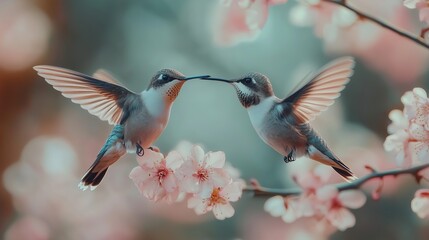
[(416, 106), (289, 209), (420, 203), (399, 121), (412, 3), (306, 204), (155, 176), (218, 201), (398, 144), (204, 179), (423, 7), (240, 20), (312, 179), (334, 205), (343, 32), (409, 139), (275, 206), (200, 172)]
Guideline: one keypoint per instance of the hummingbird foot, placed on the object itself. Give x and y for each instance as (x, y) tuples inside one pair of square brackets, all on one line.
[(154, 149), (289, 158), (139, 150)]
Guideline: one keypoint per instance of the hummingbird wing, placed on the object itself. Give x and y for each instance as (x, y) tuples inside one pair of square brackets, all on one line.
[(106, 76), (316, 93), (104, 99)]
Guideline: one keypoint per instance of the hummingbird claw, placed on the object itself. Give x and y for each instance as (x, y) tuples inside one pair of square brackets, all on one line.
[(154, 149), (289, 158), (139, 150)]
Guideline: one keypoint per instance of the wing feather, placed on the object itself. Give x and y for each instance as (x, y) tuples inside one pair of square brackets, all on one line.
[(316, 93), (100, 95)]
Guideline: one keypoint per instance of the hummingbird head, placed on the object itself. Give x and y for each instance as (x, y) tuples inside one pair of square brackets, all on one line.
[(251, 88), (169, 82)]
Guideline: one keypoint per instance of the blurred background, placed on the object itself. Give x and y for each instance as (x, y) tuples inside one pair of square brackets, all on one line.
[(47, 142)]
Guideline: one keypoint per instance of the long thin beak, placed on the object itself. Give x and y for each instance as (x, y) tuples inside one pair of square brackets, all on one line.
[(217, 79), (195, 77)]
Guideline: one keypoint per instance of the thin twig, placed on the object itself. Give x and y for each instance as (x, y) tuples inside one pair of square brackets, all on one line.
[(268, 192), (417, 39)]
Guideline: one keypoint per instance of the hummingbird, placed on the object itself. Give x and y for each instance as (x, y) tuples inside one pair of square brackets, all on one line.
[(284, 124), (138, 118)]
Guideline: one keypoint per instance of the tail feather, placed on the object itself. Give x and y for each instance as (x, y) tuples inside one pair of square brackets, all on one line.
[(346, 174), (344, 171), (112, 150), (325, 156), (91, 179)]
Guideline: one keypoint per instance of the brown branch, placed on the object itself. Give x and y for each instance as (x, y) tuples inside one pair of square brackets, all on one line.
[(417, 39), (259, 191)]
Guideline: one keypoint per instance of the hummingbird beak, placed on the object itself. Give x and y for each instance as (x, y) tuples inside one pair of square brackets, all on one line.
[(195, 77), (217, 79)]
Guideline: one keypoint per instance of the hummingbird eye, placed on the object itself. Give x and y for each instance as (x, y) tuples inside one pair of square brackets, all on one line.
[(165, 77), (247, 80)]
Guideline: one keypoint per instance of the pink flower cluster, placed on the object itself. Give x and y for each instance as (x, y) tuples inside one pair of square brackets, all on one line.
[(422, 5), (318, 200), (204, 179), (241, 20), (420, 203), (341, 30), (409, 139)]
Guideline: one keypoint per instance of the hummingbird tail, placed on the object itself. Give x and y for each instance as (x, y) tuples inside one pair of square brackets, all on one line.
[(347, 175), (325, 156), (112, 150), (91, 179)]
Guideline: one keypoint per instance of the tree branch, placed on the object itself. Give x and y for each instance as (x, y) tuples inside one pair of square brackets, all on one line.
[(417, 39), (259, 191)]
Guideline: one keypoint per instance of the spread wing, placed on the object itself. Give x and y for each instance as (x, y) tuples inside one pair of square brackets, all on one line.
[(317, 92), (106, 76), (104, 99)]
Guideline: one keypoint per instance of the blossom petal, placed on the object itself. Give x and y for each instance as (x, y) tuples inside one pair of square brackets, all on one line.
[(232, 192), (294, 209), (239, 21), (215, 159), (151, 189), (138, 176), (399, 121), (219, 178), (186, 181), (341, 218), (411, 3), (197, 154), (169, 182), (352, 198), (420, 92), (199, 205), (150, 158), (174, 160), (420, 203), (418, 132), (326, 193), (194, 202), (222, 211), (275, 206), (184, 148)]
